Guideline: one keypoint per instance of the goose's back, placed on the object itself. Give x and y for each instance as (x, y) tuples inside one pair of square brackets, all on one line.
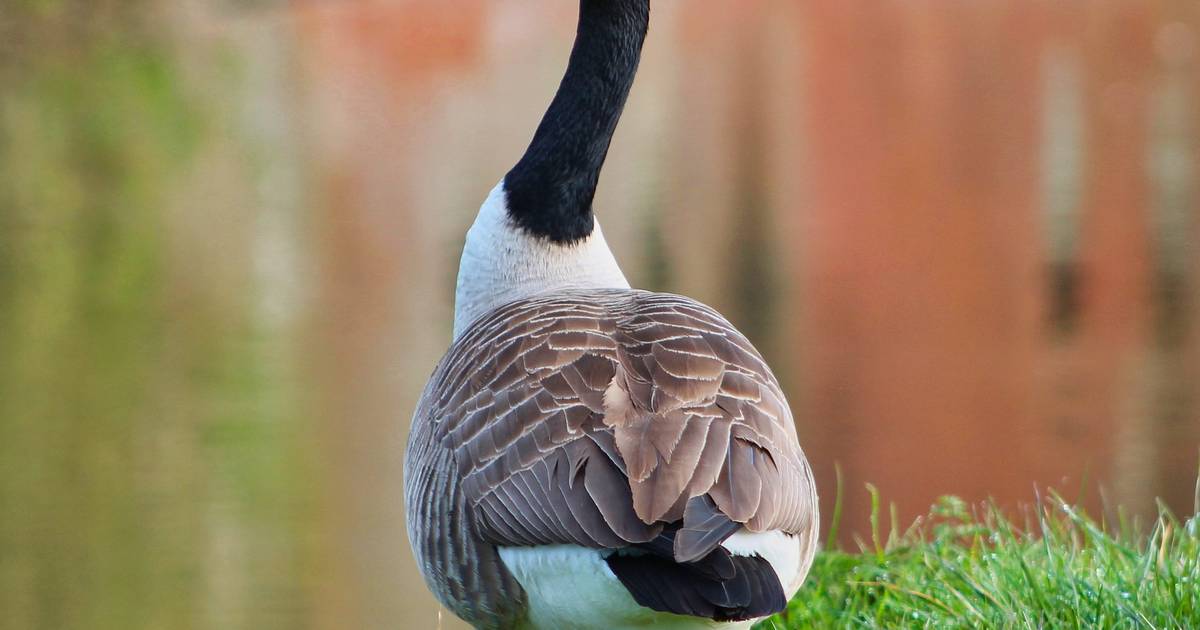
[(596, 418)]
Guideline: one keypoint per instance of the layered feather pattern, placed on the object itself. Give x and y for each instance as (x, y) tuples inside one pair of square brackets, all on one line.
[(598, 418)]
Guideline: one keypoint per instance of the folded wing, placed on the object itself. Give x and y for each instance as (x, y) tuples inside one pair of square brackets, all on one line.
[(600, 419)]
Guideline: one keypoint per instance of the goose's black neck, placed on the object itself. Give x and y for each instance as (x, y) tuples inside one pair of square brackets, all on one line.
[(550, 190)]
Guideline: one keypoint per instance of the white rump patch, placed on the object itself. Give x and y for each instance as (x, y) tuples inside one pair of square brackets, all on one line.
[(782, 550)]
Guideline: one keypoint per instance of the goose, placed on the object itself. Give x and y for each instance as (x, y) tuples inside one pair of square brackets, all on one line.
[(588, 455)]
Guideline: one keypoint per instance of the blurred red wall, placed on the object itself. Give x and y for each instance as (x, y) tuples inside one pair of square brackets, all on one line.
[(948, 225)]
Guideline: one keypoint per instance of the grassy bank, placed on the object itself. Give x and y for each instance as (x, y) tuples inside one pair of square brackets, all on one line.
[(1049, 566)]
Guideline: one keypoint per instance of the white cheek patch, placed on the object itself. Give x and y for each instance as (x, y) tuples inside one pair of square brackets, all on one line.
[(501, 263)]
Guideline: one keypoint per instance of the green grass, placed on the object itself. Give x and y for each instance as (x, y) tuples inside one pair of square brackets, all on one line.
[(1047, 566)]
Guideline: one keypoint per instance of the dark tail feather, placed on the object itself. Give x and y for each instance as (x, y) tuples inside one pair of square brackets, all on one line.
[(728, 588)]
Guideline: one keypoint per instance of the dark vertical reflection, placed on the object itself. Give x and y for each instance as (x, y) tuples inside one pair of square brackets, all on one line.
[(751, 276)]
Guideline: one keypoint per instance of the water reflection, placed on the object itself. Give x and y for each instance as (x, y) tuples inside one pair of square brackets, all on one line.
[(965, 235)]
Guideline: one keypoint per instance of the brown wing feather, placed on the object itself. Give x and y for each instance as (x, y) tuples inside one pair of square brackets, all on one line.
[(597, 418), (691, 407)]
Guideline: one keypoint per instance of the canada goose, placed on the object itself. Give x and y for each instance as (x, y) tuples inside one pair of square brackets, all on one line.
[(587, 455)]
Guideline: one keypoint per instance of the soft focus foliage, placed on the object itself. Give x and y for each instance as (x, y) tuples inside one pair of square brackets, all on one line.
[(147, 476)]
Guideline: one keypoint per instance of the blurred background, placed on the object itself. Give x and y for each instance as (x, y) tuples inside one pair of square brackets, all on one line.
[(964, 233)]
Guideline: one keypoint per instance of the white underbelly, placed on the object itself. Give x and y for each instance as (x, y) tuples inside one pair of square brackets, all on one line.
[(572, 587)]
